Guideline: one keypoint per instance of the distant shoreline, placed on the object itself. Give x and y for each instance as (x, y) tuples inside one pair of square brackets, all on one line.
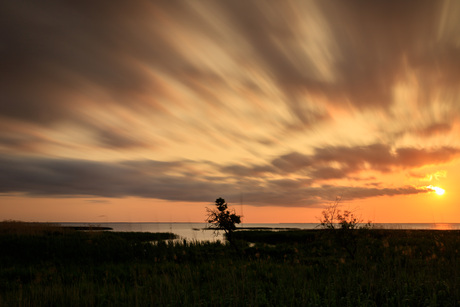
[(254, 228), (86, 227)]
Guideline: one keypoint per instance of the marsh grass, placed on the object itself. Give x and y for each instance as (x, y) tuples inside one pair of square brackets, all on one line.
[(286, 268)]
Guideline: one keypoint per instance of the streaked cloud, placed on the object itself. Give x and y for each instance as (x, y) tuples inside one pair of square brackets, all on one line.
[(199, 181), (291, 102)]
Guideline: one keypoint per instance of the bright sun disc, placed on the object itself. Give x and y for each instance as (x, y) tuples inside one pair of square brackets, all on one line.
[(437, 190)]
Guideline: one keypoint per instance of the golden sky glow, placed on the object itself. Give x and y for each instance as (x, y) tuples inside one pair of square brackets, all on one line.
[(149, 111)]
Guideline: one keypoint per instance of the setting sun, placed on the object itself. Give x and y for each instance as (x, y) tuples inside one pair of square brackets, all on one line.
[(437, 190)]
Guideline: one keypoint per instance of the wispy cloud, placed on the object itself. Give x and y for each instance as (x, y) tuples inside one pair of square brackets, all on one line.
[(189, 180), (184, 100)]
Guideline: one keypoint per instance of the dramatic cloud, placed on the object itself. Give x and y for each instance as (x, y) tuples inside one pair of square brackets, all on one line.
[(347, 161), (335, 162), (289, 102), (54, 177), (181, 180), (382, 157)]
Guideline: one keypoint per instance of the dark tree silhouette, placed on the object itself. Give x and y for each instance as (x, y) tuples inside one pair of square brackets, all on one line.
[(221, 218)]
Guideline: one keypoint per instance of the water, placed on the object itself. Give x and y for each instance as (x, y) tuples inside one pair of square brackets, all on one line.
[(188, 231), (196, 232)]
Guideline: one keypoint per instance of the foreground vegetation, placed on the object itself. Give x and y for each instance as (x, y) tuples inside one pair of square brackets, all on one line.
[(52, 266)]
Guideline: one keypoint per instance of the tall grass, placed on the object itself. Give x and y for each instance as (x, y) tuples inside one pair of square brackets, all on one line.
[(302, 268)]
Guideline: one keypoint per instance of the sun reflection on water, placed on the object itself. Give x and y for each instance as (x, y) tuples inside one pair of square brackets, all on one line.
[(442, 226)]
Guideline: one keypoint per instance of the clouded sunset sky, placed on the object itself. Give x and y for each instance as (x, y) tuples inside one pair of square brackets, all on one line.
[(147, 111)]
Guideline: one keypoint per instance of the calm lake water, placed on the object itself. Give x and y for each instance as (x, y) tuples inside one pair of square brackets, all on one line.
[(196, 232)]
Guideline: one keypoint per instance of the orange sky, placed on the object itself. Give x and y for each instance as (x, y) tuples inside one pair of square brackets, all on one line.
[(150, 111)]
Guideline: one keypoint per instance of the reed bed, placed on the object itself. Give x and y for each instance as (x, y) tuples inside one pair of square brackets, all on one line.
[(283, 268)]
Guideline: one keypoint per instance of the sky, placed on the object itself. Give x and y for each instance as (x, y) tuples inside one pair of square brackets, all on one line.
[(147, 111)]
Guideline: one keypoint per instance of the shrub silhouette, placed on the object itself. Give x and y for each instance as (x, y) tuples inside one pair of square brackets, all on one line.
[(333, 218), (221, 218)]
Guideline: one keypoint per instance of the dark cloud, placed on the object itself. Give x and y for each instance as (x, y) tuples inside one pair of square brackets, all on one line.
[(19, 142), (289, 183), (363, 192), (311, 196), (155, 179), (337, 162), (435, 129), (73, 53), (377, 157), (292, 162), (413, 157), (328, 173), (58, 177), (247, 171)]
